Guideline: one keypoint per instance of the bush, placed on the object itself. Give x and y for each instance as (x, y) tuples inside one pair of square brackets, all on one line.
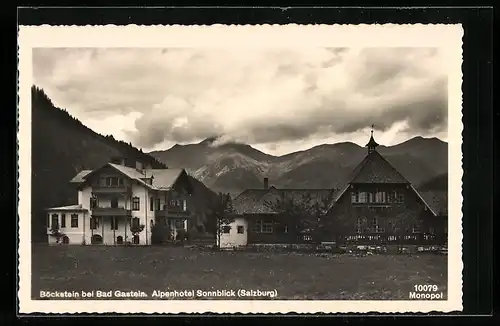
[(160, 233), (182, 235)]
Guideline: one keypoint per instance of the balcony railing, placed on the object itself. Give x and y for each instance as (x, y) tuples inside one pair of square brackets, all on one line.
[(111, 189), (172, 212), (111, 211), (387, 239)]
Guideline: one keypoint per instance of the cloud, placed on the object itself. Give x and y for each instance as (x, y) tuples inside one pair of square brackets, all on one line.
[(264, 96)]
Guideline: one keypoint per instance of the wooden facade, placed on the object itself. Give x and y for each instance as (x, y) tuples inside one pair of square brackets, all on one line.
[(399, 216), (379, 206)]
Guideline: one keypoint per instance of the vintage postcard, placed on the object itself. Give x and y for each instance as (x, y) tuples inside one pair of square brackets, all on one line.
[(240, 169)]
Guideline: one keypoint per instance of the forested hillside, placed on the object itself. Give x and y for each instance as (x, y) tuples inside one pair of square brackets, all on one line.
[(61, 147)]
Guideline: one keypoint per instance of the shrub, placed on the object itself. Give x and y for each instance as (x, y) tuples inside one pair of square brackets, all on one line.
[(182, 235), (160, 233)]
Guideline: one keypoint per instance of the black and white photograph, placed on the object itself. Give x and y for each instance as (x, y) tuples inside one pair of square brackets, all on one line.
[(245, 169)]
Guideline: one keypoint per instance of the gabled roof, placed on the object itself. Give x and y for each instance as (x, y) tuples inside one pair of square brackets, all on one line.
[(255, 201), (163, 179), (376, 169)]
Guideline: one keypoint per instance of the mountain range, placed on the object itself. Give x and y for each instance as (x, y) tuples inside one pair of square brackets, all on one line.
[(234, 167)]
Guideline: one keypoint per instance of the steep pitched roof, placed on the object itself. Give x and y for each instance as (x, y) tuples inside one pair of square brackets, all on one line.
[(255, 201), (163, 179), (376, 169)]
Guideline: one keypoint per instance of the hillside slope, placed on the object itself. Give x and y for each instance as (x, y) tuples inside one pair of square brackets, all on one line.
[(62, 146)]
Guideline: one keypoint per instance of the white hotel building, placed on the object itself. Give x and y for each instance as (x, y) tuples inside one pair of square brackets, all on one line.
[(117, 197)]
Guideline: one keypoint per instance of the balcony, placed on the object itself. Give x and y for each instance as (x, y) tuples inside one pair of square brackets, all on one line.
[(111, 190), (111, 211), (172, 212)]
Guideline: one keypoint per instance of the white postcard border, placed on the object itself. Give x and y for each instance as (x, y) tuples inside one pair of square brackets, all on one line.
[(448, 37)]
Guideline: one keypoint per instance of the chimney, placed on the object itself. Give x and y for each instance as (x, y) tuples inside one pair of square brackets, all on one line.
[(266, 183)]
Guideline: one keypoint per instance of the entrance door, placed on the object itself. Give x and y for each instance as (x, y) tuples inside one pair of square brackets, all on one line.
[(96, 239)]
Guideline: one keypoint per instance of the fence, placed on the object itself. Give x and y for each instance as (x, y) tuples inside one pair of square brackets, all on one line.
[(385, 239)]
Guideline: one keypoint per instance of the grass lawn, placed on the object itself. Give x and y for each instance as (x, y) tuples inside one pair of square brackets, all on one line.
[(292, 275)]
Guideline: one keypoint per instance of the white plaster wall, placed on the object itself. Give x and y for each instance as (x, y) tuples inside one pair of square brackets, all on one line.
[(233, 238), (84, 197), (75, 234), (144, 214)]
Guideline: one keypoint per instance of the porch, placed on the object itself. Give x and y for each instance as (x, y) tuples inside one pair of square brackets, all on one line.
[(113, 230)]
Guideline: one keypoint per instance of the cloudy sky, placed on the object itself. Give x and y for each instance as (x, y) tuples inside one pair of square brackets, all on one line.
[(278, 100)]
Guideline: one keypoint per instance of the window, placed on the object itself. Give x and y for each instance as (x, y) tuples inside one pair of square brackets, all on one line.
[(241, 229), (93, 202), (285, 230), (262, 227), (416, 228), (63, 220), (184, 205), (374, 224), (158, 204), (226, 229), (114, 181), (359, 197), (121, 182), (114, 223), (55, 222), (401, 198), (74, 220), (114, 202), (361, 226), (179, 224), (151, 203), (380, 197), (136, 204), (392, 197), (151, 224), (134, 223), (431, 230), (94, 223)]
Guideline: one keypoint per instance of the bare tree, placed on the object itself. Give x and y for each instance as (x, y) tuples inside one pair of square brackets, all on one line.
[(222, 213)]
